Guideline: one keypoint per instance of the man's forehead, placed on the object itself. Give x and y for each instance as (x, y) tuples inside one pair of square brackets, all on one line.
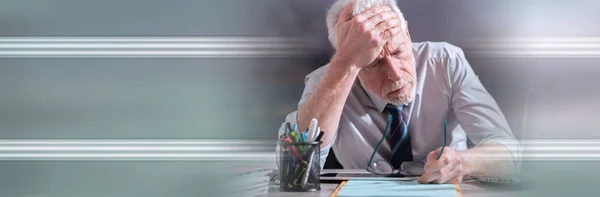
[(395, 42)]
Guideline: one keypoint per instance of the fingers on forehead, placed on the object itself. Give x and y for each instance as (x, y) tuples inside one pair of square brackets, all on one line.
[(371, 12)]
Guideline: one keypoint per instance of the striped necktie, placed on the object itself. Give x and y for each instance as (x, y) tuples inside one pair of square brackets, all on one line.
[(398, 137)]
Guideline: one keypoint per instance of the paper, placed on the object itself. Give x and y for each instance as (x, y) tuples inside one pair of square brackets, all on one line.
[(396, 188)]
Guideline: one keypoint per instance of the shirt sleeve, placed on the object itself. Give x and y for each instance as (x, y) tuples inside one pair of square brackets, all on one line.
[(311, 82), (476, 110)]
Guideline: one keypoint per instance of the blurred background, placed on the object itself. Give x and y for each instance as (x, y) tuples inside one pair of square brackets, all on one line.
[(538, 58)]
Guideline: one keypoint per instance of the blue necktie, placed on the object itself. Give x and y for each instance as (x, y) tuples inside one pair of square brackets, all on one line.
[(398, 137)]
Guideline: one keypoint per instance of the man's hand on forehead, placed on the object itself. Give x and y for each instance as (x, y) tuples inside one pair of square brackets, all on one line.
[(361, 38)]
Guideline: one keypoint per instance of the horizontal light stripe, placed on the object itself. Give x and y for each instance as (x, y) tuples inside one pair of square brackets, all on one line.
[(542, 52), (137, 149), (551, 148), (570, 39), (526, 156), (133, 148), (152, 47), (542, 45), (236, 148), (200, 155), (131, 156), (246, 156), (239, 150), (536, 47), (149, 39), (153, 53), (135, 141), (537, 54), (560, 142), (235, 141)]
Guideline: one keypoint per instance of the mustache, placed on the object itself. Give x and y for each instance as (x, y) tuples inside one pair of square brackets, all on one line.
[(396, 85)]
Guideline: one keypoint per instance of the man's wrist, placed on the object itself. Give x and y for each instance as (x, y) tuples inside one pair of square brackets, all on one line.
[(468, 165), (340, 63)]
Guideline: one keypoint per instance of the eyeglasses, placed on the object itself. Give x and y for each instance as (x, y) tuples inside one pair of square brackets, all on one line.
[(383, 167)]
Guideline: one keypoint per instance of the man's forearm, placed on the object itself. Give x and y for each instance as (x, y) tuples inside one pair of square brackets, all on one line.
[(327, 101), (491, 159)]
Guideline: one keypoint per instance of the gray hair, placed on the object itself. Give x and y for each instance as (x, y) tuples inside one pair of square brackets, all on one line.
[(359, 6)]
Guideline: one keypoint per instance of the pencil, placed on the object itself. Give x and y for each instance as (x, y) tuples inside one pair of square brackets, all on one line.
[(337, 189)]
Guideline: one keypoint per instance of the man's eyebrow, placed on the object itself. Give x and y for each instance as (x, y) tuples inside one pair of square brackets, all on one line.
[(399, 49)]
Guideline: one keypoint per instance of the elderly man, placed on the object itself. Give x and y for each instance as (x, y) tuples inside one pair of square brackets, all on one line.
[(378, 81)]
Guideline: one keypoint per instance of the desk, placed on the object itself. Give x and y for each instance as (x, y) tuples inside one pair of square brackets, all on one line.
[(471, 189)]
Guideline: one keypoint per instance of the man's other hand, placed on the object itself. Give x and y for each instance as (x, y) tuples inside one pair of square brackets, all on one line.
[(447, 169), (361, 38)]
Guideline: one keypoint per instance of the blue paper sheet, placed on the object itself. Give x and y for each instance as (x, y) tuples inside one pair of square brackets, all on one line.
[(370, 188)]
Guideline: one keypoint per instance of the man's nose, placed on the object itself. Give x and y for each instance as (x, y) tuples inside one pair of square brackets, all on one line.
[(393, 70)]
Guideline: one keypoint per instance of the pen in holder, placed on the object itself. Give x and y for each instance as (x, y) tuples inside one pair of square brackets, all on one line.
[(299, 166)]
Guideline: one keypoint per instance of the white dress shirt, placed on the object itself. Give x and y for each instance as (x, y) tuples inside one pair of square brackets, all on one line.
[(446, 89)]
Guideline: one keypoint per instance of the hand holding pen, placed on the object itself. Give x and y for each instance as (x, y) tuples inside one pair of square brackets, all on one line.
[(443, 165)]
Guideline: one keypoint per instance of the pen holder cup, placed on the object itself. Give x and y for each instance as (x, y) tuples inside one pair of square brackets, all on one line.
[(299, 166)]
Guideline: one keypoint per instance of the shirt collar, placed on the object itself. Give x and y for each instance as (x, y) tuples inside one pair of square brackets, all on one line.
[(377, 102)]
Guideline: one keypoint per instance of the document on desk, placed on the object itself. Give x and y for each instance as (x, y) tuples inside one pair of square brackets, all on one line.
[(382, 188)]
